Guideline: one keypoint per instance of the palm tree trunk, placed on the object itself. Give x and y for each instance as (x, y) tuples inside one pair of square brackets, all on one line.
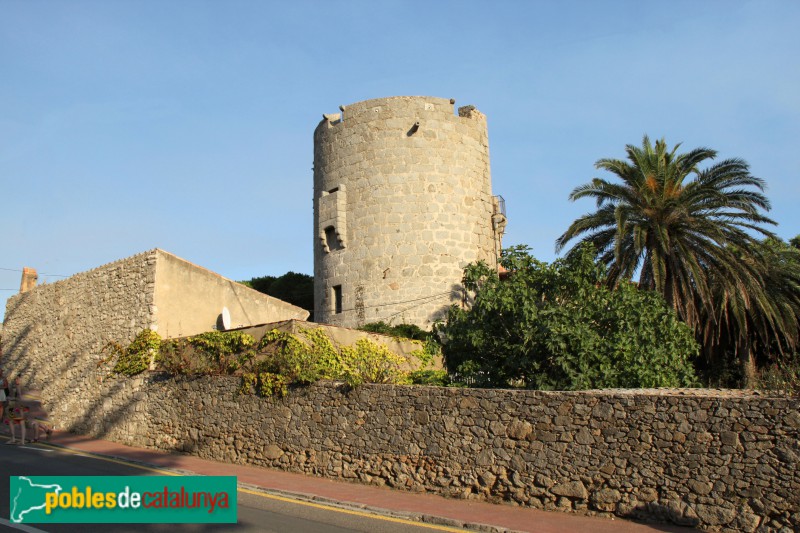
[(747, 362), (712, 363)]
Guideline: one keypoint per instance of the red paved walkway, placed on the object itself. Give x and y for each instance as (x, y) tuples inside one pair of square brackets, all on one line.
[(460, 512)]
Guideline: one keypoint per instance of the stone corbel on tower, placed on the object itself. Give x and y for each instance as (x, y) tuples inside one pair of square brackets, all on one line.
[(499, 222), (499, 219)]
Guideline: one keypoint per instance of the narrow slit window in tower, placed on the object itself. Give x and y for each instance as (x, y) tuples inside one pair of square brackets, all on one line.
[(337, 299)]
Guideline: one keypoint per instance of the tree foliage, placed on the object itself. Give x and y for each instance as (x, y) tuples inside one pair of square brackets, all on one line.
[(675, 223), (691, 234), (760, 326), (296, 289), (406, 331), (558, 326)]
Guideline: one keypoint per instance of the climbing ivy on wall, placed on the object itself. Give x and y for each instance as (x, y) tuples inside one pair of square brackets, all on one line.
[(136, 357), (270, 366), (427, 341), (369, 362), (283, 359)]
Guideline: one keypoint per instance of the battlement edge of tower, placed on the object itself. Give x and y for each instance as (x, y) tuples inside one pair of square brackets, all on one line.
[(398, 106)]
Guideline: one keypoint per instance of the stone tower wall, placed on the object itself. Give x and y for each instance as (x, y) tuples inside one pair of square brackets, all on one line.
[(402, 202)]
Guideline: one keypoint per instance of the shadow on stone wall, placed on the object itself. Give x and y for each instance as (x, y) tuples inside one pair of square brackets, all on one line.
[(691, 458), (19, 345), (103, 414), (649, 454)]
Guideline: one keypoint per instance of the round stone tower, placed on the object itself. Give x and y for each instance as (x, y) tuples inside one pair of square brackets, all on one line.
[(402, 202)]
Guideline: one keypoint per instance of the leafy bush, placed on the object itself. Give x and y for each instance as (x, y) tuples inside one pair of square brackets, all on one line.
[(370, 362), (269, 367), (271, 384), (214, 352), (439, 378), (405, 331), (303, 359), (782, 375), (557, 326), (220, 349), (428, 340), (136, 357), (174, 357)]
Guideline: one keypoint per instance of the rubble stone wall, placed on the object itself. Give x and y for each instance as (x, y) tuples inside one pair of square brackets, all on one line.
[(701, 458), (54, 334)]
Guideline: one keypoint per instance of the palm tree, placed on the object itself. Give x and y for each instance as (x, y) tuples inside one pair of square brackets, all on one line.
[(676, 224), (764, 322)]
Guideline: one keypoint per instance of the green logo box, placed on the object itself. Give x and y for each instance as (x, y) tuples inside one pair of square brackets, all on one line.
[(123, 499)]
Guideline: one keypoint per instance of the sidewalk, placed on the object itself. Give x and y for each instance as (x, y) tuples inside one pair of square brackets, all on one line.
[(447, 511)]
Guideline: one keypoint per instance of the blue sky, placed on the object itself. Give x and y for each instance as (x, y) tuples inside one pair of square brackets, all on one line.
[(187, 125)]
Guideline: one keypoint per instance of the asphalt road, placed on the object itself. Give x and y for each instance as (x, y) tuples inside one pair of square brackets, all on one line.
[(257, 510)]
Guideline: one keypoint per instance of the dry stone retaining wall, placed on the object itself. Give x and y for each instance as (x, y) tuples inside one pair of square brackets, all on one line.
[(54, 334), (703, 459)]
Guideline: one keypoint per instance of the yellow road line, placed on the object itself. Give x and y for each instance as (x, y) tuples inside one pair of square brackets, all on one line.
[(365, 514), (326, 507), (110, 459)]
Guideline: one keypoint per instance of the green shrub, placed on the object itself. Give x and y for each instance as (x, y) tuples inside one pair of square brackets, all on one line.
[(215, 352), (430, 347), (288, 355), (370, 362), (136, 357), (220, 350), (439, 378), (557, 326), (173, 357), (268, 367), (405, 331), (782, 375), (270, 384)]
